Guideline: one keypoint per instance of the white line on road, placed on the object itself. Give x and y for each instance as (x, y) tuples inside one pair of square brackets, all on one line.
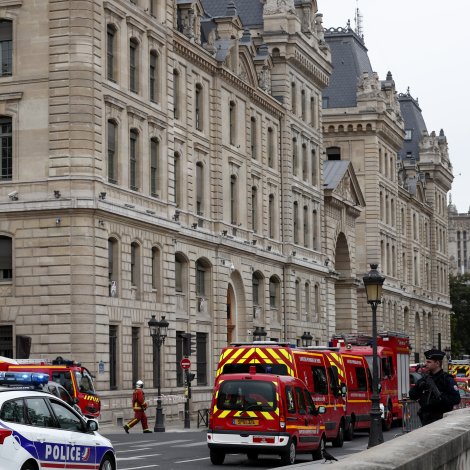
[(151, 444), (193, 444), (137, 457), (136, 468), (132, 450), (192, 460)]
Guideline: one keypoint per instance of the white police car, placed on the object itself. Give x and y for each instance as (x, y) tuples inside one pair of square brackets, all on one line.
[(39, 431)]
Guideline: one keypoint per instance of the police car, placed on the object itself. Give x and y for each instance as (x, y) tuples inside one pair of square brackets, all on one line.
[(39, 431)]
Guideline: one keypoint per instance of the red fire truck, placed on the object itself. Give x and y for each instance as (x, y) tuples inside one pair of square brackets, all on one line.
[(70, 374), (393, 351)]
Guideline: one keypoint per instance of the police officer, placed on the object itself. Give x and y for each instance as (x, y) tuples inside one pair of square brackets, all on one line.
[(139, 406), (436, 391)]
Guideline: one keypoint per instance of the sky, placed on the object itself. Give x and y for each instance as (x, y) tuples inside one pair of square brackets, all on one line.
[(426, 46)]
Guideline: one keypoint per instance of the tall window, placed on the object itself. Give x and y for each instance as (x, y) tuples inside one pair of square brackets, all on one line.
[(307, 298), (199, 107), (110, 53), (293, 98), (133, 160), (6, 341), (156, 273), (201, 358), (256, 281), (153, 7), (135, 354), (314, 163), (179, 273), (233, 199), (313, 112), (199, 188), (135, 266), (154, 163), (254, 138), (303, 104), (153, 77), (6, 47), (304, 162), (176, 94), (177, 179), (296, 222), (315, 228), (200, 279), (6, 258), (181, 348), (274, 291), (6, 143), (295, 157), (271, 148), (254, 208), (298, 301), (306, 227), (232, 122), (113, 356), (271, 216), (113, 267), (134, 65)]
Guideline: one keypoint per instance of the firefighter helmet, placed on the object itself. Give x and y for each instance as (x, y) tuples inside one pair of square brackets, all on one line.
[(139, 384)]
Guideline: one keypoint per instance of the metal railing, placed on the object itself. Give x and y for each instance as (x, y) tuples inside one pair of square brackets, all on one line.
[(410, 420)]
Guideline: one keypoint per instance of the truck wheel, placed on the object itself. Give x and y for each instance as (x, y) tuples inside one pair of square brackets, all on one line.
[(288, 457), (318, 454), (388, 420), (107, 464), (349, 432), (217, 457), (338, 441)]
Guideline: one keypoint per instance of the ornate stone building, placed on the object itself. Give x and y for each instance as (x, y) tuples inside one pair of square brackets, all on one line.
[(165, 157), (459, 238)]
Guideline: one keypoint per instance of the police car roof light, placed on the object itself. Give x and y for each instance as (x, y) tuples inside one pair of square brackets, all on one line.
[(23, 378)]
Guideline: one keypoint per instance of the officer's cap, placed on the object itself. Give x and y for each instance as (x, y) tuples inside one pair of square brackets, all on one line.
[(434, 354)]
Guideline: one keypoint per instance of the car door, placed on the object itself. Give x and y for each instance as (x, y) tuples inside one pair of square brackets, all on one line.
[(49, 441), (81, 445)]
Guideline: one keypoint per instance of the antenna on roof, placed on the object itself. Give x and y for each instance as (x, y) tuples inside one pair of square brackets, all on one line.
[(358, 21)]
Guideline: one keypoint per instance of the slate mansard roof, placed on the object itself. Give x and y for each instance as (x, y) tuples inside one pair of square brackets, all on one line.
[(249, 11), (414, 125), (350, 61)]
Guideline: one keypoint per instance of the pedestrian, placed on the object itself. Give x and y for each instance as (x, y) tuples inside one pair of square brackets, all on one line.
[(436, 391), (139, 406)]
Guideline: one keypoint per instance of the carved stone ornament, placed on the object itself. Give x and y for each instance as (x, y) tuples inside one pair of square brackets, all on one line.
[(278, 6)]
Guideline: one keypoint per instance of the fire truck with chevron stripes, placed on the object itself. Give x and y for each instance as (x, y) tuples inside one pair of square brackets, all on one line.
[(339, 382), (393, 351)]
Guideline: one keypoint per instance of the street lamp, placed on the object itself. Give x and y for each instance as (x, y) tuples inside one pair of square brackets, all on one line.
[(158, 332), (373, 282), (306, 339), (259, 334)]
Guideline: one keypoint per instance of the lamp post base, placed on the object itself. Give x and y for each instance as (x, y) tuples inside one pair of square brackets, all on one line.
[(375, 433), (159, 420)]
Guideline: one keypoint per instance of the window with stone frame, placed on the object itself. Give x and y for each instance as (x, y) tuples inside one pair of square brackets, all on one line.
[(111, 53), (201, 358), (113, 266), (113, 356), (6, 48), (134, 159), (153, 76), (134, 65), (6, 258), (154, 167), (6, 139), (112, 151)]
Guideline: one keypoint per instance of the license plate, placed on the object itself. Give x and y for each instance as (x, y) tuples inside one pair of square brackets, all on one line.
[(246, 421)]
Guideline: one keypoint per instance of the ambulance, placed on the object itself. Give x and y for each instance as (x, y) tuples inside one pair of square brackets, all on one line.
[(75, 378), (459, 368), (393, 351), (262, 413), (320, 369)]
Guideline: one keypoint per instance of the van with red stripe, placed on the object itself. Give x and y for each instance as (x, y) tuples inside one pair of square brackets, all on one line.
[(257, 413)]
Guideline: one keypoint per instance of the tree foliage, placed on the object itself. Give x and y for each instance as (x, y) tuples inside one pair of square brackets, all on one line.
[(460, 320)]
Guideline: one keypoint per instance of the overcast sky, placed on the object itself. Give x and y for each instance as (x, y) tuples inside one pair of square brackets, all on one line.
[(426, 46)]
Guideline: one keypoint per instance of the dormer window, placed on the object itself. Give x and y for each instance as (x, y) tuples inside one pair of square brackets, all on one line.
[(408, 134)]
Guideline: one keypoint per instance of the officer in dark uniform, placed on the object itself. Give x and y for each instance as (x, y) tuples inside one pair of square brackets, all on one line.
[(436, 391)]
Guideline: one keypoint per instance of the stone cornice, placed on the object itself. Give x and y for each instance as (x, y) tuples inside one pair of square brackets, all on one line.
[(114, 10), (11, 3), (136, 112), (117, 103), (14, 96), (157, 122)]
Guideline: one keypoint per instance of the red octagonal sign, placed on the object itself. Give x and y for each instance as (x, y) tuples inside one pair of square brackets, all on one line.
[(185, 363)]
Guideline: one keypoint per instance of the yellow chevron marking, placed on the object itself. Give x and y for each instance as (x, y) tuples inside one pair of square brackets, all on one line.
[(224, 413), (248, 353), (267, 415)]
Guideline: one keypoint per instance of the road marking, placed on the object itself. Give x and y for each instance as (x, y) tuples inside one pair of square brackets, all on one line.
[(193, 444), (137, 457), (136, 468), (192, 460), (132, 450), (152, 444)]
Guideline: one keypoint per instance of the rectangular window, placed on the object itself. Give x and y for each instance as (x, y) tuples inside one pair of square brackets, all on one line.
[(110, 53), (113, 356), (154, 156), (178, 276), (6, 163), (6, 341), (6, 48), (6, 259), (112, 147), (133, 76), (133, 160), (153, 76), (201, 358), (181, 347), (200, 281), (135, 354)]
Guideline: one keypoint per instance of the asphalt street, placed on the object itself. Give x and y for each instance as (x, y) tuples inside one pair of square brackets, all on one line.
[(186, 449)]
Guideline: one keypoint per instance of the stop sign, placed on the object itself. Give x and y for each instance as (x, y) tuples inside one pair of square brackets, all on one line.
[(185, 363)]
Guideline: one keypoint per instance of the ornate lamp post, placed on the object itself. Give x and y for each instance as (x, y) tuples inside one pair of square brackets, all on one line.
[(259, 334), (307, 339), (158, 332), (373, 282)]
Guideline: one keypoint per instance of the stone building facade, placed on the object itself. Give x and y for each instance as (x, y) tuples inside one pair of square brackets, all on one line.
[(459, 239), (167, 158)]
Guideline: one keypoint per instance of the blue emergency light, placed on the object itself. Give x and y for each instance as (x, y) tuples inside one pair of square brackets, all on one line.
[(23, 378)]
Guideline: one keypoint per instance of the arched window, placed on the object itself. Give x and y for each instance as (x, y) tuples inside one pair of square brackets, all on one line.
[(257, 287), (6, 258), (199, 107), (154, 167), (153, 76), (134, 65), (111, 53), (113, 266), (134, 160), (6, 141), (274, 292), (333, 153), (112, 151)]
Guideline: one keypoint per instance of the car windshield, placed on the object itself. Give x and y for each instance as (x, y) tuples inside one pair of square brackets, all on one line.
[(244, 395), (85, 382)]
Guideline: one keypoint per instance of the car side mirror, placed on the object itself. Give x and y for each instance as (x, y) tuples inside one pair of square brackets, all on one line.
[(91, 425), (344, 390), (321, 410), (75, 401)]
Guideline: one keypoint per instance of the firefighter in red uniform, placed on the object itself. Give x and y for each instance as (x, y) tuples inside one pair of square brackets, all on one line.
[(139, 405)]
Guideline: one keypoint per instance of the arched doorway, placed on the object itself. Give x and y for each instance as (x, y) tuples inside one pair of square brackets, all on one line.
[(237, 317)]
